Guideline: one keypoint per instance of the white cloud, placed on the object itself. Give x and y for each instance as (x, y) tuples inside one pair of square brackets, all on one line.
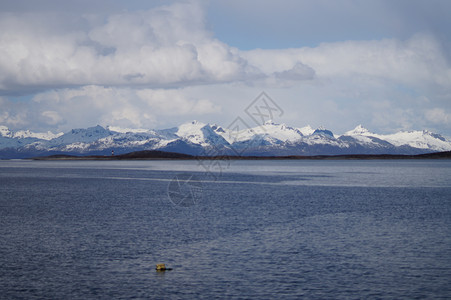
[(165, 46), (438, 116), (175, 103), (69, 108), (14, 118), (418, 60), (298, 72), (170, 46), (51, 117)]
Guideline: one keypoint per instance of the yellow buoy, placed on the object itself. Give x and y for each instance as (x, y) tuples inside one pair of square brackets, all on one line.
[(162, 267)]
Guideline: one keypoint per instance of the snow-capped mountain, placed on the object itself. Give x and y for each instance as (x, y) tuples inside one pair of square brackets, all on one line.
[(197, 138), (22, 134), (5, 132), (416, 139), (307, 130), (269, 131)]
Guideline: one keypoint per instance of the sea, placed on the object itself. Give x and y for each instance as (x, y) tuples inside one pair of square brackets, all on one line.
[(225, 229)]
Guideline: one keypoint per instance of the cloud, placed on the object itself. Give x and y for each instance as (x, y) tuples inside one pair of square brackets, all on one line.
[(163, 47), (170, 46), (438, 116), (51, 117), (68, 108), (175, 102), (418, 60), (298, 72), (14, 118)]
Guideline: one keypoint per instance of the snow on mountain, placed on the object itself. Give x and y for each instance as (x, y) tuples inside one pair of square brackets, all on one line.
[(38, 135), (417, 139), (269, 131), (306, 130), (192, 132), (359, 130), (126, 130), (74, 140), (83, 135), (204, 139), (232, 136), (279, 132), (11, 139), (22, 134), (5, 132), (200, 134), (136, 138), (363, 135)]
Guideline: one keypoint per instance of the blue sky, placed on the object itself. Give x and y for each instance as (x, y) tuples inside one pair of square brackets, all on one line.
[(157, 64), (293, 23)]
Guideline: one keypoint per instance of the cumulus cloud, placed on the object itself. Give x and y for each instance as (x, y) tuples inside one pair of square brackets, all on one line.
[(162, 47), (170, 46)]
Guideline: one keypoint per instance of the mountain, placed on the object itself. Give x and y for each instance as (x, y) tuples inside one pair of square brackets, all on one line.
[(196, 138), (425, 140), (323, 132)]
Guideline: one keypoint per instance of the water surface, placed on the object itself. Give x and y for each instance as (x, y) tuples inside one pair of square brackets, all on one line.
[(249, 229)]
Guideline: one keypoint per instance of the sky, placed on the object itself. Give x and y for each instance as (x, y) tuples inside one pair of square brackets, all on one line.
[(385, 64)]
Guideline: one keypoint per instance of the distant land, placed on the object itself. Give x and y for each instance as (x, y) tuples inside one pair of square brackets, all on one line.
[(162, 155), (199, 139)]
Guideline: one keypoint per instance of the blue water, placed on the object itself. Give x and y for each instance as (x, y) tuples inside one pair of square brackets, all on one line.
[(244, 229)]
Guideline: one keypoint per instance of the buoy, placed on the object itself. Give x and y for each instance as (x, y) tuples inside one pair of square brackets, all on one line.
[(162, 267)]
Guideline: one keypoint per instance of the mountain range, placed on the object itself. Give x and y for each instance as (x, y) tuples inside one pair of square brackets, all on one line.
[(196, 138)]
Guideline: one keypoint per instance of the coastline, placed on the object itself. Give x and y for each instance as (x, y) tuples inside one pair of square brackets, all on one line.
[(160, 155)]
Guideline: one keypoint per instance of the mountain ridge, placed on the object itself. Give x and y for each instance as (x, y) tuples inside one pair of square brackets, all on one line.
[(197, 138)]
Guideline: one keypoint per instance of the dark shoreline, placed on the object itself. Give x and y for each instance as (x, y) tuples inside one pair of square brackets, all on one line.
[(160, 155)]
